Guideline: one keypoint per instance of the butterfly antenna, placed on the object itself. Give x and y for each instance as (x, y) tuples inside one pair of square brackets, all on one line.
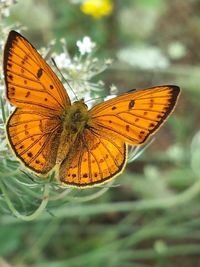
[(92, 99), (64, 78)]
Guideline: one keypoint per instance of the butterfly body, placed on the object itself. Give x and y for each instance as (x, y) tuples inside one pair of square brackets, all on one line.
[(74, 121), (87, 147)]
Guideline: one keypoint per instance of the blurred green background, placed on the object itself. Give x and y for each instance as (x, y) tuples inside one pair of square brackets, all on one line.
[(152, 216)]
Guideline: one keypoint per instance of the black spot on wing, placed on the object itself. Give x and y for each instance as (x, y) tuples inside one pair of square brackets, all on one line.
[(40, 72), (131, 104)]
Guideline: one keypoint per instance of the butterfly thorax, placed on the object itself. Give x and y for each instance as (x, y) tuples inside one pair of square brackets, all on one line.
[(74, 120)]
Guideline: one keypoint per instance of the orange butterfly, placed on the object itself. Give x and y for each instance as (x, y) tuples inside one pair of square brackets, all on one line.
[(87, 147)]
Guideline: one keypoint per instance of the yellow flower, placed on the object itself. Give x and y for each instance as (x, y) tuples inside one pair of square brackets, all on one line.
[(97, 8)]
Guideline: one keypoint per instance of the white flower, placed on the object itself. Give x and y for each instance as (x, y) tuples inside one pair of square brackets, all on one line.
[(108, 61), (113, 89), (85, 46), (176, 50), (62, 61)]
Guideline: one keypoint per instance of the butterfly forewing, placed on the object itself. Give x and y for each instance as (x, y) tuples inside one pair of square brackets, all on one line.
[(30, 82), (133, 117)]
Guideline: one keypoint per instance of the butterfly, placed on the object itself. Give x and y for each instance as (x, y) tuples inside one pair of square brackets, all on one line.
[(86, 147)]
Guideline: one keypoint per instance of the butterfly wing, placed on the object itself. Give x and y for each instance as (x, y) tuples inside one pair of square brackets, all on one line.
[(30, 82), (135, 116), (34, 128), (34, 137), (95, 158), (100, 153)]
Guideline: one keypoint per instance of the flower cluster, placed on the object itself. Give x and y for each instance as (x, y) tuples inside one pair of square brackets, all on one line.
[(4, 7), (80, 69)]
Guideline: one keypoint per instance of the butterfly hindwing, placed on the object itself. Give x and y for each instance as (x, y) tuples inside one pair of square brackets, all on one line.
[(96, 159), (34, 138), (133, 117)]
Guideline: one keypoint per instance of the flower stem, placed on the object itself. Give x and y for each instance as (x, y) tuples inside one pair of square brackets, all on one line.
[(36, 213)]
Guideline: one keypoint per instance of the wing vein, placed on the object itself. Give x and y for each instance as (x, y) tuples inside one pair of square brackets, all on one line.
[(43, 146), (117, 132), (26, 87), (35, 104), (28, 121), (107, 151), (27, 53), (136, 95), (18, 56), (106, 138), (99, 167), (24, 68), (26, 138), (33, 112), (124, 112), (79, 162), (89, 157)]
